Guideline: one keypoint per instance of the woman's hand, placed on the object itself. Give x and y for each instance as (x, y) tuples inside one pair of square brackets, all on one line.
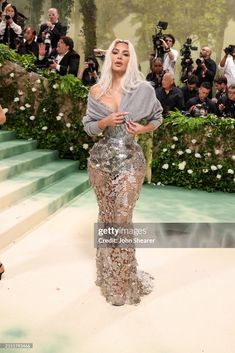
[(113, 119), (2, 116), (134, 128)]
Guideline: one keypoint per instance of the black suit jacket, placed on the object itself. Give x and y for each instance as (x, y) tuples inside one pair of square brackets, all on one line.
[(56, 33), (69, 64)]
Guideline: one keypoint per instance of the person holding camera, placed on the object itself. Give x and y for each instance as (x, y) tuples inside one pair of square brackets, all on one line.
[(227, 64), (9, 29), (51, 31), (190, 90), (62, 60), (170, 55), (89, 73), (201, 105), (220, 84), (226, 104), (206, 68), (157, 73)]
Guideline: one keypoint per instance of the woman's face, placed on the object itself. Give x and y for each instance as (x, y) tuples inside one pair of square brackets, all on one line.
[(120, 57), (10, 12)]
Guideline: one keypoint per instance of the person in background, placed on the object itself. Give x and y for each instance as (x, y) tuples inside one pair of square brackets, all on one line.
[(156, 74), (9, 29), (63, 60), (89, 73), (190, 89), (221, 87), (29, 45), (170, 97), (170, 54), (227, 64), (201, 101), (51, 31), (227, 104)]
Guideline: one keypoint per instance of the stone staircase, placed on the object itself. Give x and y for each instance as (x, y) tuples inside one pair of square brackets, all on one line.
[(33, 185)]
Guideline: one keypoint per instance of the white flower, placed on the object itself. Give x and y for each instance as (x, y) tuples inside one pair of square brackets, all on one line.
[(213, 167), (190, 171), (16, 99), (165, 166), (197, 155), (58, 117), (218, 176), (38, 80), (85, 146), (71, 148), (193, 141), (172, 147), (22, 108), (180, 153), (208, 154), (230, 171), (32, 117), (159, 183), (55, 86), (5, 110), (20, 93), (34, 89), (27, 105), (182, 165), (68, 125), (44, 110), (175, 138), (0, 65), (217, 152), (205, 170), (188, 151), (12, 74), (164, 149), (44, 128), (209, 134), (233, 157), (219, 166), (61, 114)]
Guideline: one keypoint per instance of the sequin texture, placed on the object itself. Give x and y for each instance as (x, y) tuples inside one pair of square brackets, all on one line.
[(116, 171)]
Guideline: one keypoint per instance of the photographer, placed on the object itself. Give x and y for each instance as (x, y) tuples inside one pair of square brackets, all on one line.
[(206, 67), (29, 45), (190, 90), (63, 60), (227, 104), (52, 31), (201, 105), (156, 74), (89, 72), (227, 64), (170, 54), (9, 29)]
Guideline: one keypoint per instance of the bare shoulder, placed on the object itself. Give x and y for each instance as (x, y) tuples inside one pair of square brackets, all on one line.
[(95, 89)]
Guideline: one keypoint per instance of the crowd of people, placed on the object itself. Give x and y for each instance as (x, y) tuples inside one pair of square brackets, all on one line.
[(203, 92)]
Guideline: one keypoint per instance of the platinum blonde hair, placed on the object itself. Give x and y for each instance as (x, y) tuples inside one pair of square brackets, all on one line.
[(131, 78)]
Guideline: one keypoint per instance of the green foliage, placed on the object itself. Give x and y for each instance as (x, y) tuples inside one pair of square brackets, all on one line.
[(195, 153), (64, 7), (26, 61)]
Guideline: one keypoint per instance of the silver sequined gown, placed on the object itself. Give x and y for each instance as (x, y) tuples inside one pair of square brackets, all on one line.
[(116, 170)]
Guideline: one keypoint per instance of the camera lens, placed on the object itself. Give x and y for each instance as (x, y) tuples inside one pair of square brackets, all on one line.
[(7, 17)]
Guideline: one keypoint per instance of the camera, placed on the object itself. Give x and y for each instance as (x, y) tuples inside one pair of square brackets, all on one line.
[(200, 61), (51, 60), (200, 110), (158, 37), (7, 17), (187, 61), (230, 49), (91, 67)]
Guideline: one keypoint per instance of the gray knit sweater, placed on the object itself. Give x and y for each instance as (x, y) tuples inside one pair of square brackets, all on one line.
[(141, 103)]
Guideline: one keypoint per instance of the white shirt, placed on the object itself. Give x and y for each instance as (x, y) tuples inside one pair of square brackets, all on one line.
[(168, 64), (229, 70)]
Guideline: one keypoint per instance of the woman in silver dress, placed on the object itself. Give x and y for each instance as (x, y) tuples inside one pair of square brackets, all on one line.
[(116, 164)]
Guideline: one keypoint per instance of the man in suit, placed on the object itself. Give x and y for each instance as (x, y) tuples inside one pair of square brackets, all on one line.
[(52, 30), (64, 59)]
